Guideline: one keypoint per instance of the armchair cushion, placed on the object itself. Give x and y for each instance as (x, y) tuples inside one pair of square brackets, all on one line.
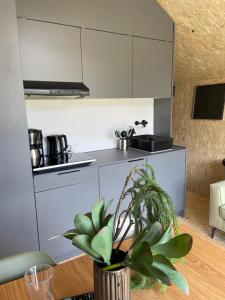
[(217, 205), (222, 211)]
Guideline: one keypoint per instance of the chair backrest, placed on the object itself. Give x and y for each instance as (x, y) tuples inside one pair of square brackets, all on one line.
[(14, 267)]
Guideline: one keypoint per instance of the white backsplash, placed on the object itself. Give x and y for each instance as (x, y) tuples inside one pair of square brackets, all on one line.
[(89, 124)]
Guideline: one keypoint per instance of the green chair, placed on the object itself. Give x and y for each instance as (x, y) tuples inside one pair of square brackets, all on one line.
[(14, 267)]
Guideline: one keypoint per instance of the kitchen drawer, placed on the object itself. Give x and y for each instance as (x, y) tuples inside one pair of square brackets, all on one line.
[(43, 182)]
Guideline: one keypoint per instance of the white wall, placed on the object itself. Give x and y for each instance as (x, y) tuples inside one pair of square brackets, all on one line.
[(89, 124)]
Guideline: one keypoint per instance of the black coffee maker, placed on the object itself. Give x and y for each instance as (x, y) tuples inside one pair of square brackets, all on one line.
[(58, 145)]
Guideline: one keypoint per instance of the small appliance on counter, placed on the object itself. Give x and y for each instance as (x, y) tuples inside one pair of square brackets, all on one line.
[(57, 144), (60, 156), (36, 147), (151, 143), (124, 137)]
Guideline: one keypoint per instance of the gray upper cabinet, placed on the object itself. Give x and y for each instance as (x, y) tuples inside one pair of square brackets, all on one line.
[(141, 18), (170, 169), (49, 52), (107, 64), (146, 18), (152, 68)]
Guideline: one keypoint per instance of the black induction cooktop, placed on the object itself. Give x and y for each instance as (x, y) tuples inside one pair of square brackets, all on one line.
[(62, 161)]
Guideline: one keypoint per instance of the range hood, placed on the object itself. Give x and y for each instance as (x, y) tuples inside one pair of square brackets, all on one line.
[(55, 89)]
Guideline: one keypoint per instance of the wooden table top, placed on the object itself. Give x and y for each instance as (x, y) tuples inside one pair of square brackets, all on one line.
[(204, 269)]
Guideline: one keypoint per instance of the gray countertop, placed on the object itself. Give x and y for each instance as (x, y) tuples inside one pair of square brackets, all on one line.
[(111, 156)]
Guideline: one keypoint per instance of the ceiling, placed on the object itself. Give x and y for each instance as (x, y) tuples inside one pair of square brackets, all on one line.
[(200, 38)]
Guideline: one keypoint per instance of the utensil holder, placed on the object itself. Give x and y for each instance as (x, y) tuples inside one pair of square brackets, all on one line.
[(122, 144)]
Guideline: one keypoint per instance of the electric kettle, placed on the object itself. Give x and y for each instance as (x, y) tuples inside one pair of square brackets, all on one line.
[(57, 144)]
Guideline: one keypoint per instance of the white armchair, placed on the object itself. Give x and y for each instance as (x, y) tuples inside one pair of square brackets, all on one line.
[(217, 207)]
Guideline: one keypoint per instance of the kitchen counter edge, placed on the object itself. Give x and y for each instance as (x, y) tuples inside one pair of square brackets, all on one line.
[(113, 156)]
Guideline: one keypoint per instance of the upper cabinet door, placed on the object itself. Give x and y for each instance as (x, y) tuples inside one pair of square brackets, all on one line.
[(107, 64), (49, 52), (152, 68), (134, 17)]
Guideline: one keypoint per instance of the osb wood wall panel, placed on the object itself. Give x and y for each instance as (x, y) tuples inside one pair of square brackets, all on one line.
[(204, 139), (200, 38), (199, 59)]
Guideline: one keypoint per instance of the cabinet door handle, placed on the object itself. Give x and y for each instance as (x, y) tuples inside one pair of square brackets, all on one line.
[(68, 172), (133, 160)]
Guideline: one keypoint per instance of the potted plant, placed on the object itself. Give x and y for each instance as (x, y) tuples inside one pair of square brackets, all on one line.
[(155, 243)]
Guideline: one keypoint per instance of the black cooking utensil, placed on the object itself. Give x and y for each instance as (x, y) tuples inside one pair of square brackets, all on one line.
[(124, 134), (118, 134), (130, 131)]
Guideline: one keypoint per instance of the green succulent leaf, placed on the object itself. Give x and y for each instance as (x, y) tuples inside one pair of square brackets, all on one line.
[(102, 243), (143, 267), (177, 247), (159, 275), (70, 234), (160, 260), (153, 234), (89, 215), (97, 214), (141, 252), (111, 223), (106, 220), (163, 264), (148, 270), (141, 261), (84, 225), (83, 242), (107, 206), (138, 239), (167, 235)]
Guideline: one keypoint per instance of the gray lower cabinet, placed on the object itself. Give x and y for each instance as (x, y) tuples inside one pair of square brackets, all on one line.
[(112, 179), (170, 169), (107, 64), (60, 195), (49, 52), (56, 209), (152, 68)]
